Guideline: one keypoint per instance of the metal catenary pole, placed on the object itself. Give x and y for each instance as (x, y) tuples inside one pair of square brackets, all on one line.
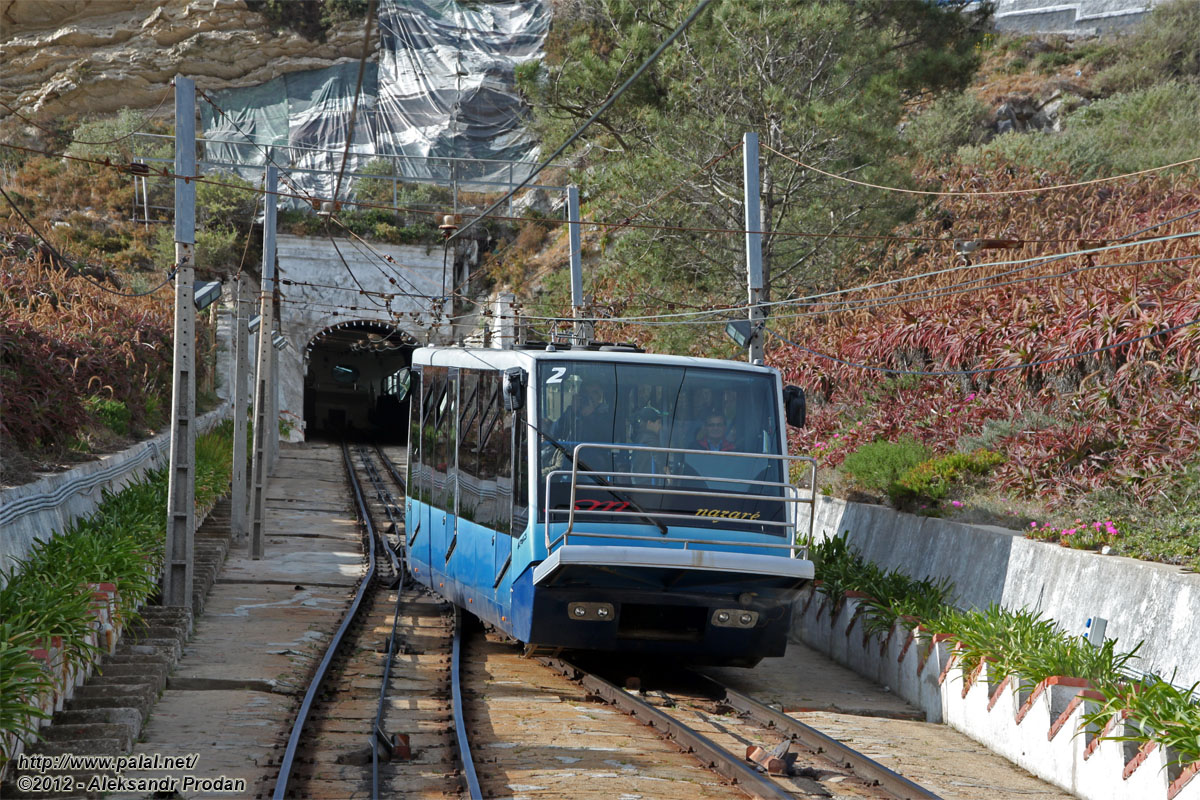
[(241, 366), (754, 265), (583, 327), (181, 488), (264, 426)]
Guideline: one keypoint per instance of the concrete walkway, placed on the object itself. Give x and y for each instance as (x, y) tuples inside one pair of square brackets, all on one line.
[(231, 697)]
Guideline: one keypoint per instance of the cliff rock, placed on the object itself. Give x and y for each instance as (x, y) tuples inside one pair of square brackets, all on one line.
[(97, 56)]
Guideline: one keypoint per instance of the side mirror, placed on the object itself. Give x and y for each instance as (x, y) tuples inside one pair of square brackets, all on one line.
[(514, 389), (794, 406)]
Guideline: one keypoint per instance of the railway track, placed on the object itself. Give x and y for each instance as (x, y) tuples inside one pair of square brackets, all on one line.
[(406, 695), (376, 717), (765, 752)]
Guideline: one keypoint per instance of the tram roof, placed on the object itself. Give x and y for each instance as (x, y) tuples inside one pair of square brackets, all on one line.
[(501, 358)]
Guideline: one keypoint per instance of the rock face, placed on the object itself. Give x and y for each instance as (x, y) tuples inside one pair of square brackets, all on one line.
[(97, 56)]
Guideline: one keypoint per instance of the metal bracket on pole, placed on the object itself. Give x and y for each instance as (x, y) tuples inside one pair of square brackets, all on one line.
[(181, 488), (265, 426), (241, 365), (583, 331), (754, 266)]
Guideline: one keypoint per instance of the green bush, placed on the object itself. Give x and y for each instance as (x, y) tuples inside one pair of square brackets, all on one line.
[(1163, 48), (112, 413), (110, 136), (1108, 137), (950, 123), (877, 466), (376, 191), (932, 480)]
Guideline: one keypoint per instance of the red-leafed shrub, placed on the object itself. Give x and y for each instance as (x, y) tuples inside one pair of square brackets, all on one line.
[(64, 339), (1125, 417)]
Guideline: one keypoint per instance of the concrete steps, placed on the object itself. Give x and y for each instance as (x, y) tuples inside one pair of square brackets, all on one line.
[(105, 715)]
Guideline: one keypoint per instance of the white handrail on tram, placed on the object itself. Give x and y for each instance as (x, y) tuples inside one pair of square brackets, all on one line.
[(791, 493)]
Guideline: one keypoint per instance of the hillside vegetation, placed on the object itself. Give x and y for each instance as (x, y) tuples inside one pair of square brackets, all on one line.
[(1048, 380)]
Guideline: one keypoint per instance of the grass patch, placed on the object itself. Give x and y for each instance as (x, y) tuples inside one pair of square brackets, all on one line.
[(932, 481), (877, 467)]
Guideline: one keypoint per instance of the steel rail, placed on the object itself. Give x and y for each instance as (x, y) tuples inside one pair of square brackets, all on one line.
[(863, 766), (378, 734), (391, 468), (289, 753), (384, 496), (725, 763), (460, 725)]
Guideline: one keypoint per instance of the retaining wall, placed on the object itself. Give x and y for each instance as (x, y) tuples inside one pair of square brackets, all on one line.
[(1041, 727), (1156, 604), (39, 510)]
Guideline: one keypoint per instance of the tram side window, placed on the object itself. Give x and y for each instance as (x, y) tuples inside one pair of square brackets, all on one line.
[(470, 495), (494, 452), (520, 475), (414, 435), (433, 389), (433, 438), (445, 452)]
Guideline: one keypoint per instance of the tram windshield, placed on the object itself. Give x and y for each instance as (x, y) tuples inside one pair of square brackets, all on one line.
[(637, 419)]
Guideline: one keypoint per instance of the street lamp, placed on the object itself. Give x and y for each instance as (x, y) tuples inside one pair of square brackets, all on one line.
[(205, 293)]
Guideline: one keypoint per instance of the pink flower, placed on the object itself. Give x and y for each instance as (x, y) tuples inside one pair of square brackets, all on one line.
[(1033, 524), (956, 504), (970, 397)]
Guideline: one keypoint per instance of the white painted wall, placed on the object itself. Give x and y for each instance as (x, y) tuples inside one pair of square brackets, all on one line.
[(1156, 604), (1080, 17)]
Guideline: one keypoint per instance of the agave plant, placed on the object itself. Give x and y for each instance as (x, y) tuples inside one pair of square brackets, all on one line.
[(1159, 711)]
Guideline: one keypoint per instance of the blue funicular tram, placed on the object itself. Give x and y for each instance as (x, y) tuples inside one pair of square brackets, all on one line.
[(608, 499)]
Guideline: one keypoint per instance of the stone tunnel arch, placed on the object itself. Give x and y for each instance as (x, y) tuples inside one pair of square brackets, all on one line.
[(354, 382)]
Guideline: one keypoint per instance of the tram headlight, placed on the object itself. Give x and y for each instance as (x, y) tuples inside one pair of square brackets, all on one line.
[(591, 612), (734, 618)]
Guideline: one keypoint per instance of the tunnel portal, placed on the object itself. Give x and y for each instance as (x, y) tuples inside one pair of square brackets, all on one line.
[(356, 383)]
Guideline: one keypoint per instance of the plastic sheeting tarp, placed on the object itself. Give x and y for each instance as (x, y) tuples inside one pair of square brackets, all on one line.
[(439, 103)]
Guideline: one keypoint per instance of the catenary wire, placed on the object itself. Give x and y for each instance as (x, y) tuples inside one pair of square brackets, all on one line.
[(995, 193), (987, 370), (683, 26), (311, 199), (145, 121)]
